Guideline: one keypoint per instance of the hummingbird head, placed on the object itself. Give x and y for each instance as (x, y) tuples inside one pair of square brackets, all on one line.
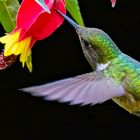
[(94, 41), (88, 35)]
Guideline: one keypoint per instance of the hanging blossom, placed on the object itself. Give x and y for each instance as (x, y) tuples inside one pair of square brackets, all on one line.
[(113, 2), (32, 23)]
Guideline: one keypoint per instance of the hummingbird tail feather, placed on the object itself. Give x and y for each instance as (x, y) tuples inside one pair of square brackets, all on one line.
[(128, 103), (90, 88)]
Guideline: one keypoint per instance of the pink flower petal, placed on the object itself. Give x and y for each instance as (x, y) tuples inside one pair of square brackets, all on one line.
[(113, 2), (46, 23), (29, 12)]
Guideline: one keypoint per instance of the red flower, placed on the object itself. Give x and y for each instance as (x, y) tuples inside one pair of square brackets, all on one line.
[(113, 2), (33, 23)]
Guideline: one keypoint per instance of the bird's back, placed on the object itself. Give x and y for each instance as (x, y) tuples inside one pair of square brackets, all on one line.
[(126, 70)]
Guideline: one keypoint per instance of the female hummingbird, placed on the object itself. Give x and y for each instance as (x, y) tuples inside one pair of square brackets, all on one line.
[(115, 75)]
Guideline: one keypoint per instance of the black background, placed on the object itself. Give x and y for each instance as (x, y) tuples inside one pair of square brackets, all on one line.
[(24, 117)]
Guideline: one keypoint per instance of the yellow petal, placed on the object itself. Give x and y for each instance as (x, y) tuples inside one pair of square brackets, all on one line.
[(4, 38), (26, 50), (12, 39), (16, 47)]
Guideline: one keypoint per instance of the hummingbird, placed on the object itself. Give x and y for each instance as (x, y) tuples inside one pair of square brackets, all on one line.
[(115, 75)]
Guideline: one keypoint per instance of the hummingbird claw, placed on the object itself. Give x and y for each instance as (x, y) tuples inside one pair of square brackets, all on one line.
[(43, 5)]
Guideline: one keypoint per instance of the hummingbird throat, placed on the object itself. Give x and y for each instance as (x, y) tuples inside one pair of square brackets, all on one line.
[(97, 45)]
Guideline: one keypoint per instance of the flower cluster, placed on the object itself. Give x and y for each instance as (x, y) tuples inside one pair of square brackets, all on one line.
[(33, 23)]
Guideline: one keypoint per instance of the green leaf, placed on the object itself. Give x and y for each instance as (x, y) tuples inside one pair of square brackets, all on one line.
[(8, 11), (73, 8), (29, 63)]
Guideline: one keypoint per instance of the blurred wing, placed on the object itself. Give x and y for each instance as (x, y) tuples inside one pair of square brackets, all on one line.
[(90, 88)]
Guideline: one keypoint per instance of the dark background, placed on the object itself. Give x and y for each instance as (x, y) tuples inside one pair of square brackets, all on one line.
[(23, 117)]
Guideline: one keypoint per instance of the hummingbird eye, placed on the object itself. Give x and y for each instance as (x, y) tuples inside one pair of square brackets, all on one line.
[(86, 44)]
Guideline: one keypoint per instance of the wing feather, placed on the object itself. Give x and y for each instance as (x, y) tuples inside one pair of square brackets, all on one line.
[(90, 88)]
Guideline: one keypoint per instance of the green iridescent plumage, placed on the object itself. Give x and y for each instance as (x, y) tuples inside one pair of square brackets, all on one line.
[(101, 43), (121, 67), (127, 70), (124, 69), (115, 75)]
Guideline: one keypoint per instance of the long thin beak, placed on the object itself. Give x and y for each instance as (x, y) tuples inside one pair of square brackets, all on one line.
[(43, 5), (70, 21)]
